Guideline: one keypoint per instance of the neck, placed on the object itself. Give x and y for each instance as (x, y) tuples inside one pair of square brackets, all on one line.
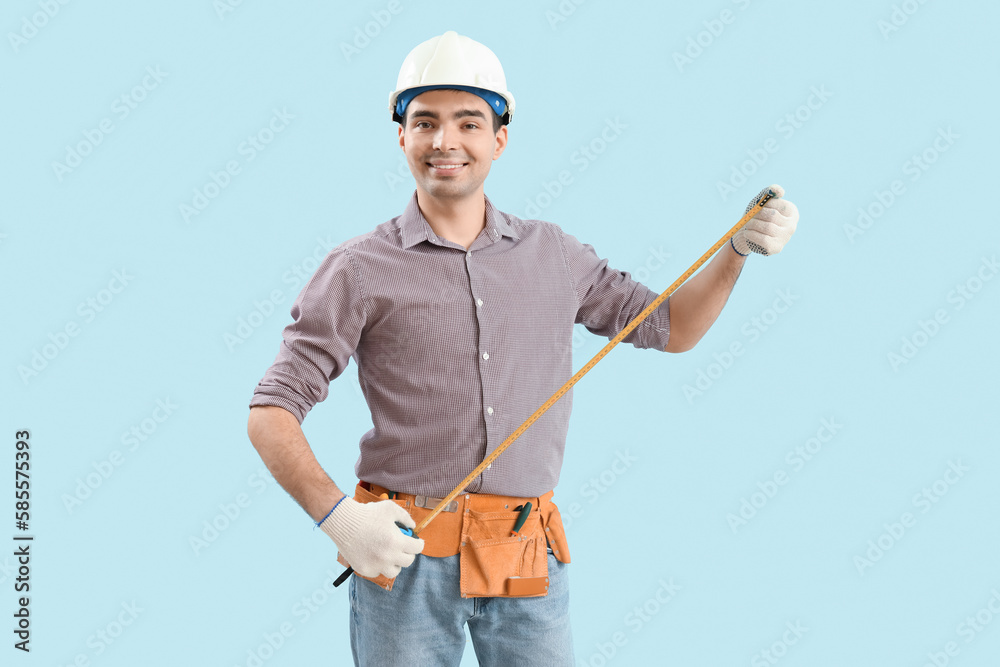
[(457, 220)]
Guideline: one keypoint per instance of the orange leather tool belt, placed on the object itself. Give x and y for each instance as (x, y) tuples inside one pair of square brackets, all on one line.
[(478, 526)]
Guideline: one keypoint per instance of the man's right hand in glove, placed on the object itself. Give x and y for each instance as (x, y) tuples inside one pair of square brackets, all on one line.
[(368, 537)]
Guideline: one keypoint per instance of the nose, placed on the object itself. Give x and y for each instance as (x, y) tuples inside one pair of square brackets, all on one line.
[(445, 138)]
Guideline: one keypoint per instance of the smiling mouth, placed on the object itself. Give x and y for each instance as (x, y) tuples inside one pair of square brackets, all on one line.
[(447, 167)]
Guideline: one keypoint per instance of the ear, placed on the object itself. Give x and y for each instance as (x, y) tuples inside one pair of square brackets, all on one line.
[(501, 142), (402, 139)]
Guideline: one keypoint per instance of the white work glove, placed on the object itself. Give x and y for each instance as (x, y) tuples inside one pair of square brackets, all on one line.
[(767, 232), (369, 539)]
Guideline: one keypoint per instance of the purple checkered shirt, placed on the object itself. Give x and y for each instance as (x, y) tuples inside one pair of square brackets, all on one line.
[(455, 348)]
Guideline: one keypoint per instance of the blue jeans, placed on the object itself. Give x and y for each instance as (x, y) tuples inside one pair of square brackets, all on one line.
[(421, 621)]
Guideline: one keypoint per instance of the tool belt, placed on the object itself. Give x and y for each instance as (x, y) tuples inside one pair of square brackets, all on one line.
[(478, 526)]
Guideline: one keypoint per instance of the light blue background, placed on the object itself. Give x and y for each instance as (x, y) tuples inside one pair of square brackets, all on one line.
[(332, 174)]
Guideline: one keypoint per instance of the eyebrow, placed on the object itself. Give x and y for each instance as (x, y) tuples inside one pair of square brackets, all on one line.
[(462, 113)]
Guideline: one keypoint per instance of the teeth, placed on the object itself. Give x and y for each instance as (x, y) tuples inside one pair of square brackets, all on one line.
[(447, 166)]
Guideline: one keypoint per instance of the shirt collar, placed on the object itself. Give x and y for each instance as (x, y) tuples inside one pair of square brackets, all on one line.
[(414, 228)]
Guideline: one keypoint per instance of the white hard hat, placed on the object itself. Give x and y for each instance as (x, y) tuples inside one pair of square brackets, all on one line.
[(452, 61)]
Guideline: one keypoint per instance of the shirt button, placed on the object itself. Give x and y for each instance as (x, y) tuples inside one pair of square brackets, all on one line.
[(486, 355), (468, 254), (489, 466), (479, 302), (489, 411)]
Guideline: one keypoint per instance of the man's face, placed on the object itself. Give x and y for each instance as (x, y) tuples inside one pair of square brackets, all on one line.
[(449, 142)]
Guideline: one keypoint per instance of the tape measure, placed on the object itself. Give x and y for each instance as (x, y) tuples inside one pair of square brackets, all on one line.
[(755, 207)]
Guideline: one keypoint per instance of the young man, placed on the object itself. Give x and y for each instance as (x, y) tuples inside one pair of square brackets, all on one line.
[(460, 318)]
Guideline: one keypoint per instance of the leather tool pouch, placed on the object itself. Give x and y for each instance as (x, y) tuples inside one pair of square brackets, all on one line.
[(495, 564), (491, 561)]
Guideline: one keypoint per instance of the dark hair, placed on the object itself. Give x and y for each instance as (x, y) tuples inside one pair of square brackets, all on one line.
[(497, 120)]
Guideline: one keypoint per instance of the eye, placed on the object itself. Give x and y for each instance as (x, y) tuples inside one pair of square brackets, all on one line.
[(474, 126), (421, 124)]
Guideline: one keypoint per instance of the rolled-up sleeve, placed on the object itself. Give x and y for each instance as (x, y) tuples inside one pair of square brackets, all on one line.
[(610, 299), (328, 318)]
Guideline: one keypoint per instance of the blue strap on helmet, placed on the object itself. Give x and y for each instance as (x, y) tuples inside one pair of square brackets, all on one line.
[(496, 102)]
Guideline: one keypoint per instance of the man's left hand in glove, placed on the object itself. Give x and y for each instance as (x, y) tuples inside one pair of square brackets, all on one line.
[(767, 232)]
